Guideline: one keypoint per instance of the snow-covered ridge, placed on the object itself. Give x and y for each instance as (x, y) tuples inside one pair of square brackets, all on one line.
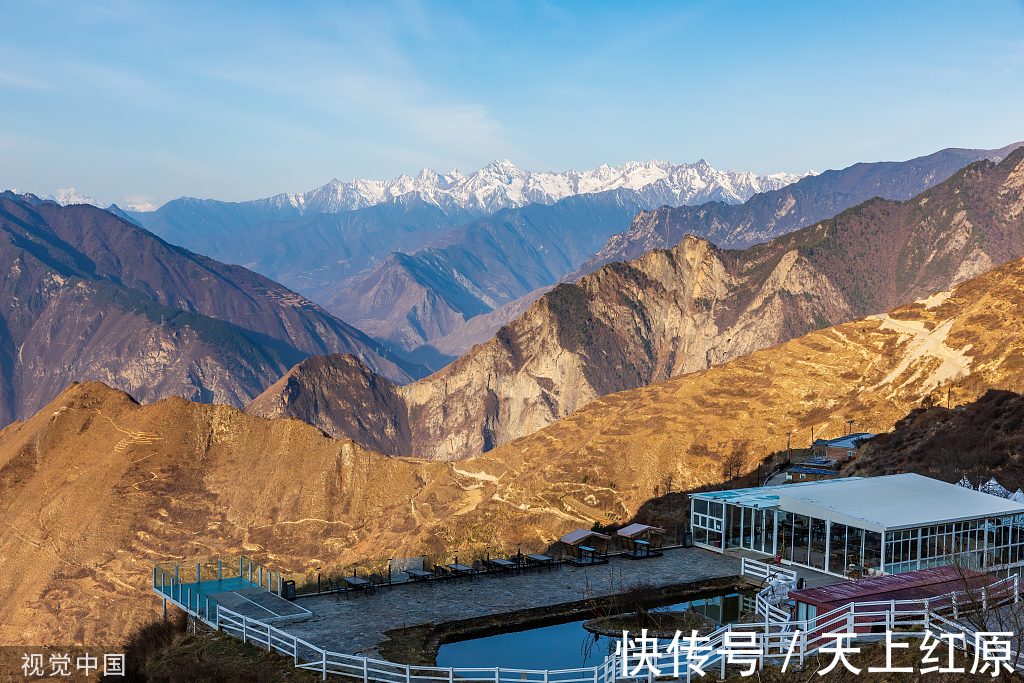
[(501, 185), (72, 196)]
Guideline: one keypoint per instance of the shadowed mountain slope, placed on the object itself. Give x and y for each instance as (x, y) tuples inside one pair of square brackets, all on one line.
[(96, 487), (320, 250), (686, 309), (978, 440), (69, 269)]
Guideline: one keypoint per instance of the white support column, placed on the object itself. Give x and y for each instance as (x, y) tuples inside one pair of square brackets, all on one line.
[(828, 543), (775, 535)]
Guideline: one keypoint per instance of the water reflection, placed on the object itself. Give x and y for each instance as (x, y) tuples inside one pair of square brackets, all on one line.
[(569, 645)]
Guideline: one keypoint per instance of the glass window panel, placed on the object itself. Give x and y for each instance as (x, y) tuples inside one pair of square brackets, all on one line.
[(769, 530), (733, 519), (757, 533), (701, 506), (837, 548), (801, 538), (785, 540), (854, 547), (818, 541), (873, 549)]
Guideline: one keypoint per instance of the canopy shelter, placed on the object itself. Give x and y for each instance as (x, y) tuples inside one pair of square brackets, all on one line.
[(584, 546), (641, 540)]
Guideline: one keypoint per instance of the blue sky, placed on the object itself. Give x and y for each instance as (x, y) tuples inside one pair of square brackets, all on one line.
[(132, 101)]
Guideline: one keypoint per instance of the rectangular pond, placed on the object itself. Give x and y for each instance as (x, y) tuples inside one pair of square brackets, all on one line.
[(568, 645)]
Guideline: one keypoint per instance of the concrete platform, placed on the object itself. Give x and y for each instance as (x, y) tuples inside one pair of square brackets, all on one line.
[(356, 624)]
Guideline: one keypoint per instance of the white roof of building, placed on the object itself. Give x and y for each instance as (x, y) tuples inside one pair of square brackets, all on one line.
[(763, 497), (898, 501)]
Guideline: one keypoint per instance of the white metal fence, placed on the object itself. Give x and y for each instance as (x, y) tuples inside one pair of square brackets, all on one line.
[(761, 571)]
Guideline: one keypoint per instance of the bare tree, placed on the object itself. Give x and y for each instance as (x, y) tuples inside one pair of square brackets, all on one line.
[(732, 464)]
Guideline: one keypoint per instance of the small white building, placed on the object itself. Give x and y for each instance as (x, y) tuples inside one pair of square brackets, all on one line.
[(843, 526)]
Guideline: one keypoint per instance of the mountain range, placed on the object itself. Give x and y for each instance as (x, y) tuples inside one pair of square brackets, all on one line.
[(413, 267), (88, 295), (667, 313), (499, 185), (94, 488), (777, 212)]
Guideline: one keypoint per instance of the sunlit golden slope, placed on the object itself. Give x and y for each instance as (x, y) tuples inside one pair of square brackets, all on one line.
[(95, 487)]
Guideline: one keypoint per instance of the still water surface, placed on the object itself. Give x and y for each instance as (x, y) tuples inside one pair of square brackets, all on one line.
[(564, 646)]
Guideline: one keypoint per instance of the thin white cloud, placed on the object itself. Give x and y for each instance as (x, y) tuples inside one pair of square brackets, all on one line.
[(23, 81)]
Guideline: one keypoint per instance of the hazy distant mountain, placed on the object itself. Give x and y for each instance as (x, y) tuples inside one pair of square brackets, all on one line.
[(71, 196), (321, 250), (499, 185), (411, 299), (770, 214), (89, 296)]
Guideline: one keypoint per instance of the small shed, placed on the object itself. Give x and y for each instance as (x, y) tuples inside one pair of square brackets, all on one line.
[(584, 546), (935, 585), (803, 473), (640, 539)]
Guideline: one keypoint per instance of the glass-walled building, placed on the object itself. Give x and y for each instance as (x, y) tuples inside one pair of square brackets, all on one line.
[(864, 527)]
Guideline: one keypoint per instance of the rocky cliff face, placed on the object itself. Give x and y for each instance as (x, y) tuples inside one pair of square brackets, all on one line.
[(95, 488), (90, 296), (694, 306)]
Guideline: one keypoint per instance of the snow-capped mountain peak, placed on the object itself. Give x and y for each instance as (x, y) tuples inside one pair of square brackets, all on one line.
[(500, 184), (72, 196)]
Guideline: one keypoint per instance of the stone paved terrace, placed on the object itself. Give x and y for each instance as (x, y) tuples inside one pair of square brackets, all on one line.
[(356, 624)]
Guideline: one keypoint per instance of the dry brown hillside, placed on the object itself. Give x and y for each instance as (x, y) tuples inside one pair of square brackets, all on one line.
[(95, 486)]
